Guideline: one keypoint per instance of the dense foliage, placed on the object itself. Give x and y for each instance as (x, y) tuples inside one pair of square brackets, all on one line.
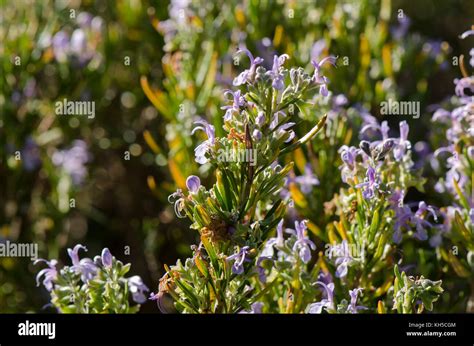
[(287, 156)]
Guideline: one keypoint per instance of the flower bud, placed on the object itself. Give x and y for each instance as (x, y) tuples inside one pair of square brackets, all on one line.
[(260, 119), (193, 183), (257, 135), (106, 258)]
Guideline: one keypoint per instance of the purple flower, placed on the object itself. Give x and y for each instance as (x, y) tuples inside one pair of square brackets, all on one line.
[(260, 119), (276, 72), (353, 307), (339, 101), (455, 172), (247, 76), (308, 180), (371, 183), (441, 114), (74, 253), (403, 215), (317, 65), (405, 219), (202, 149), (106, 257), (234, 109), (85, 266), (423, 208), (402, 144), (463, 84), (73, 161), (257, 135), (61, 46), (343, 260), (303, 245), (325, 278), (77, 47), (401, 29), (384, 129), (318, 78), (466, 34), (255, 308), (348, 155), (277, 242), (420, 223), (327, 303), (50, 274), (193, 183), (138, 289), (239, 258)]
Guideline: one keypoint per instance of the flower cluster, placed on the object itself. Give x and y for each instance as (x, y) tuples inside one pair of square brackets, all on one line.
[(271, 158), (382, 171), (374, 221), (236, 217), (73, 161), (454, 123), (459, 133), (80, 47), (90, 285), (328, 304), (239, 265)]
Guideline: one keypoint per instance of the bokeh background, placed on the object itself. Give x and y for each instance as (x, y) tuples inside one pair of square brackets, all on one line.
[(151, 67)]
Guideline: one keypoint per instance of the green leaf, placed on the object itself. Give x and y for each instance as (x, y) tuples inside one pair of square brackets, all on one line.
[(398, 276), (125, 269), (306, 137), (374, 225), (270, 213), (205, 64), (462, 198), (220, 198), (211, 252), (463, 231), (188, 292)]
